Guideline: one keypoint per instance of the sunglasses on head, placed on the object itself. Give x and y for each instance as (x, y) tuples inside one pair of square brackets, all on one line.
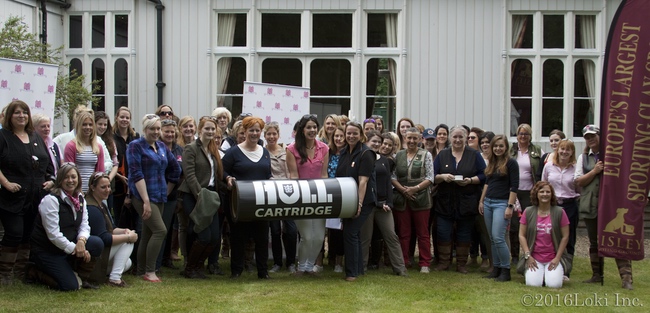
[(245, 114), (308, 116), (376, 117), (212, 118), (369, 120), (151, 116), (168, 123)]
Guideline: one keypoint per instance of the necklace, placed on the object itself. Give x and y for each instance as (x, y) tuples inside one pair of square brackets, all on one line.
[(312, 148), (543, 213)]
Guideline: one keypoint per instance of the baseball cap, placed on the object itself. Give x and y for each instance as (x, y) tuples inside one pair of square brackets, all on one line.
[(590, 129), (429, 134)]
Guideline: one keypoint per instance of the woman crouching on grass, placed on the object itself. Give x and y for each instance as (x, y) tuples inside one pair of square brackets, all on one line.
[(543, 250), (118, 242)]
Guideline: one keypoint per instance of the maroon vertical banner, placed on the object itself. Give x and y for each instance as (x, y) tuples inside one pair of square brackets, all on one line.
[(625, 133)]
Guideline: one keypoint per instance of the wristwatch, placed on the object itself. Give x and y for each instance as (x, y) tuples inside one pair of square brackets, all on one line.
[(526, 255), (510, 205)]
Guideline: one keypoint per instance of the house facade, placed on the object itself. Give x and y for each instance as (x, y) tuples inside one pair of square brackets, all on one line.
[(486, 63)]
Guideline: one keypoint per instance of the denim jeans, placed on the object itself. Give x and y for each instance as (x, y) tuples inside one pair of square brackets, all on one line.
[(445, 229), (494, 212), (352, 242)]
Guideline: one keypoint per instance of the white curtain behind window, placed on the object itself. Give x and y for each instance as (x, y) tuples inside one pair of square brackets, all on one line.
[(391, 41), (588, 41), (225, 38), (518, 29)]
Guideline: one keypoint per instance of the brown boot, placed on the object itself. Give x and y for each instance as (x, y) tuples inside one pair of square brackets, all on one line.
[(462, 252), (173, 255), (21, 261), (192, 269), (85, 270), (595, 267), (444, 254), (625, 270), (7, 260), (485, 264)]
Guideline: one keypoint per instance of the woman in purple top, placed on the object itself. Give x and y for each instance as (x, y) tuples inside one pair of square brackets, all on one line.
[(307, 158)]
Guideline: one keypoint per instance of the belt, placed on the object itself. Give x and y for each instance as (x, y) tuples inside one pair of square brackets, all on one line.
[(566, 200)]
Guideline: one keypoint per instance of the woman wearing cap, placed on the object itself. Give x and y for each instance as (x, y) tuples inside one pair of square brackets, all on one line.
[(528, 156), (589, 169)]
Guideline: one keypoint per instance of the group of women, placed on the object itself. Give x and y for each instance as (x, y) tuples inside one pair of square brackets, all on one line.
[(94, 201)]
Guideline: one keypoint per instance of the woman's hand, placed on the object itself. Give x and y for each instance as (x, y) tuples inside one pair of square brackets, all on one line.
[(386, 208), (127, 201), (448, 178), (80, 248), (409, 192), (508, 213), (230, 180), (146, 211), (358, 211), (122, 178), (48, 185), (466, 181), (481, 208), (531, 264), (553, 265), (12, 187)]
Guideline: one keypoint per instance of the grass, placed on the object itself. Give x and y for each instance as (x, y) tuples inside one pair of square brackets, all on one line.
[(377, 291)]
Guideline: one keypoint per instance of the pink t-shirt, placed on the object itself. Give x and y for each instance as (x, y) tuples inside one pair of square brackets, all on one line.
[(313, 167), (544, 251)]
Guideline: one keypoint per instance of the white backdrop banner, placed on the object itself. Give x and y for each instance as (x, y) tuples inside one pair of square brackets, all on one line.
[(277, 103), (33, 83)]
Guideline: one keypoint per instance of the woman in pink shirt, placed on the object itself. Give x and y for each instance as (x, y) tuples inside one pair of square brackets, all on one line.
[(307, 158), (543, 236)]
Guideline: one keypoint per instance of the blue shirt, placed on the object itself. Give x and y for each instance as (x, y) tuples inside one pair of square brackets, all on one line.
[(156, 168)]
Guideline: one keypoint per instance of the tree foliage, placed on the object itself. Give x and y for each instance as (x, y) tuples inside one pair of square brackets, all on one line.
[(16, 42)]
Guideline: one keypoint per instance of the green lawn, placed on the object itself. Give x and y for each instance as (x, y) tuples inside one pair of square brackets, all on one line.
[(377, 291)]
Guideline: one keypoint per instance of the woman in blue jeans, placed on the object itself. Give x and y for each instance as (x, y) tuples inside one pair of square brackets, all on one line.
[(498, 202)]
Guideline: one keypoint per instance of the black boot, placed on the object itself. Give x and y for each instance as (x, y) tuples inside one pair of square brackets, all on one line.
[(496, 271), (7, 261), (505, 275)]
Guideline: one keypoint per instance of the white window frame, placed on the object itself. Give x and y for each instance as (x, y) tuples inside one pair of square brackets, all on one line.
[(569, 55)]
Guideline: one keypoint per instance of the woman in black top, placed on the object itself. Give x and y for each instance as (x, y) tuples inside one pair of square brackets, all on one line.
[(459, 175), (25, 171), (357, 161), (498, 202)]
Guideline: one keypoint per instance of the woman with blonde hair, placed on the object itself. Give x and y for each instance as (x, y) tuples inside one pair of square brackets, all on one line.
[(331, 122), (153, 171), (123, 134), (187, 130), (84, 150)]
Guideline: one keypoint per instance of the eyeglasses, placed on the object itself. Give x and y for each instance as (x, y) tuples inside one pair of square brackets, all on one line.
[(245, 114), (308, 116), (168, 123), (151, 116), (369, 120), (166, 113), (376, 117), (471, 137), (524, 134)]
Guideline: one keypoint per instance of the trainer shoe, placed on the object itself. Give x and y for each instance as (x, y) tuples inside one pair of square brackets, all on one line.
[(338, 269), (276, 268), (424, 270), (317, 269), (292, 268)]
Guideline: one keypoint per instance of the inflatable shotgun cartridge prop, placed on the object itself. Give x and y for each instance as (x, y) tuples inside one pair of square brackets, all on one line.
[(294, 199)]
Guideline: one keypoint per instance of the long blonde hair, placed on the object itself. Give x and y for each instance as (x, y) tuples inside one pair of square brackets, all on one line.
[(498, 164), (78, 139)]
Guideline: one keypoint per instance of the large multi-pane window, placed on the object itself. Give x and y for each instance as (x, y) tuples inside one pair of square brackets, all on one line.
[(324, 58), (98, 46), (553, 59)]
